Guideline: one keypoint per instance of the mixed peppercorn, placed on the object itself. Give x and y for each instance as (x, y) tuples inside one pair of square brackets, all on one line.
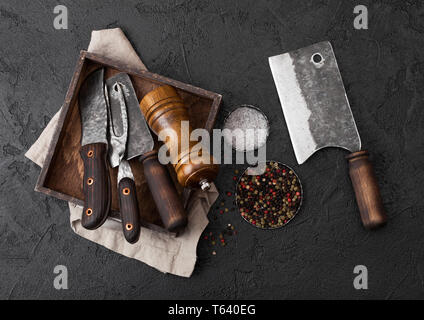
[(269, 200), (229, 231), (266, 201)]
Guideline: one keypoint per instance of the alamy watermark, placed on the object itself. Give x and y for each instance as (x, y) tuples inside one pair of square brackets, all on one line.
[(202, 145), (61, 19), (361, 20), (360, 282), (60, 282)]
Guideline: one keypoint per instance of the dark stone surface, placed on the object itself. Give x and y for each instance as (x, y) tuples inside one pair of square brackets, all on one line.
[(223, 46)]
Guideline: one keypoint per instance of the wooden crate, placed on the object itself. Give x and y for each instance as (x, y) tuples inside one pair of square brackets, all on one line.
[(62, 173)]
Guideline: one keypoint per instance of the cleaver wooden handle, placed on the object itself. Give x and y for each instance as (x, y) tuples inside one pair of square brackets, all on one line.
[(366, 189), (96, 185), (128, 206), (164, 193)]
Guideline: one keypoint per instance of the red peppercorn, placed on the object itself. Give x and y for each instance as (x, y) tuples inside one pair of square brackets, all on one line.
[(298, 193), (229, 194)]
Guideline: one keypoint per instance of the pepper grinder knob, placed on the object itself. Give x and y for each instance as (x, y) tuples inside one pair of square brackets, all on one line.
[(204, 185)]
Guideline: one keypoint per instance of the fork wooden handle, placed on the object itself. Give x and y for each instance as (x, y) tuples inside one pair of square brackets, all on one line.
[(366, 189), (128, 207)]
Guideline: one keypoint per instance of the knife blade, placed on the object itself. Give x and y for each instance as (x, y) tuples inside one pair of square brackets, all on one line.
[(140, 144), (118, 136), (94, 145), (318, 115), (118, 122), (140, 140)]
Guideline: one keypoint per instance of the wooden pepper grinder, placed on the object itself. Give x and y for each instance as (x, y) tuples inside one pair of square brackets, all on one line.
[(163, 108)]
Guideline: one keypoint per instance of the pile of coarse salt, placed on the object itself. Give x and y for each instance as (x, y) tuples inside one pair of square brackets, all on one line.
[(248, 129)]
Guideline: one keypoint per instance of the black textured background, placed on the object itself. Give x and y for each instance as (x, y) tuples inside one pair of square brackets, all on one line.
[(223, 46)]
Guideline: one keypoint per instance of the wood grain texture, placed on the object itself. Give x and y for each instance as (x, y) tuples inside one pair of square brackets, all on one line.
[(128, 207), (164, 109), (164, 193), (366, 190), (63, 161), (96, 185)]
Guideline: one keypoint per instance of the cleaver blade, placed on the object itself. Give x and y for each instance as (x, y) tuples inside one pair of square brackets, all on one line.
[(314, 101)]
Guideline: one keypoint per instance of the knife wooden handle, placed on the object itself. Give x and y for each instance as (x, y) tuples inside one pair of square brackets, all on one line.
[(164, 193), (366, 189), (128, 207), (96, 185)]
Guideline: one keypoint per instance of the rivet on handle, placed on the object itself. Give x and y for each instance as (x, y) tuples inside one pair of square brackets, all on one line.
[(90, 153), (129, 226), (89, 212), (90, 181), (126, 191)]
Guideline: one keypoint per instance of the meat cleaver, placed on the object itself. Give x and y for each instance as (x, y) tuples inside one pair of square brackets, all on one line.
[(318, 115), (94, 145)]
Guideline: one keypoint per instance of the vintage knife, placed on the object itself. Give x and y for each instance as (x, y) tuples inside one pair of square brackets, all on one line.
[(118, 136), (318, 115), (141, 144), (94, 145)]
